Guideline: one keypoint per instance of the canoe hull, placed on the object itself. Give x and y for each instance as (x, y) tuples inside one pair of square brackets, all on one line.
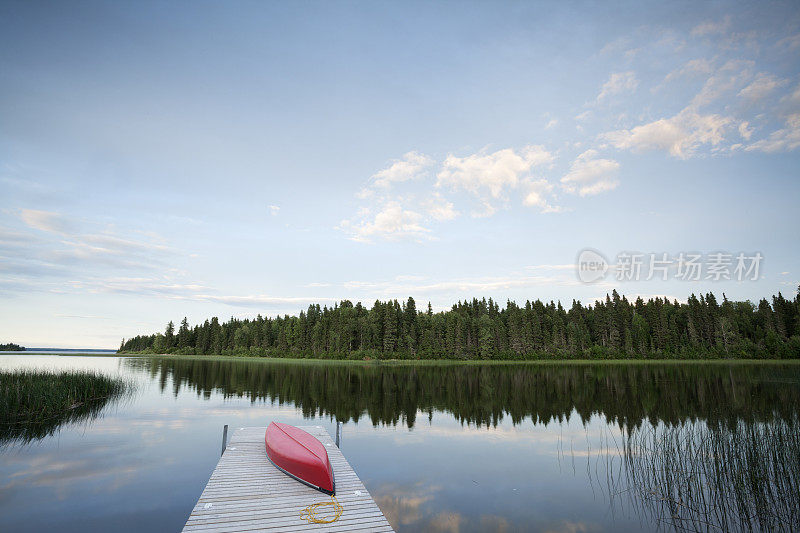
[(300, 455)]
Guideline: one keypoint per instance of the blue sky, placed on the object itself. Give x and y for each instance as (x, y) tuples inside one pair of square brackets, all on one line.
[(162, 160)]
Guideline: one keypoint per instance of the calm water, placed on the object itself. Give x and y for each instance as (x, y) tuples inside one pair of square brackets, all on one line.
[(575, 448)]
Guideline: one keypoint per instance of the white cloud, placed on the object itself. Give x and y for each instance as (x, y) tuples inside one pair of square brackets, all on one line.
[(46, 221), (392, 222), (409, 167), (695, 66), (745, 131), (487, 209), (536, 193), (617, 46), (552, 123), (793, 98), (112, 244), (712, 27), (273, 210), (64, 249), (471, 286), (791, 42), (259, 300), (761, 87), (163, 287), (726, 79), (782, 140), (390, 215), (12, 240), (589, 176), (618, 82), (488, 176), (410, 277), (139, 285), (679, 135), (82, 317), (439, 208), (568, 266)]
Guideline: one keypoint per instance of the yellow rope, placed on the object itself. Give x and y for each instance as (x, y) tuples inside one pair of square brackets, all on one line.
[(310, 512)]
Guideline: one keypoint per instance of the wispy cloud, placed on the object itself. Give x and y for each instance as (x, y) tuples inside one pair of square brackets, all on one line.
[(712, 27), (724, 81), (166, 287), (82, 317), (782, 140), (57, 254), (46, 221), (411, 166), (439, 208), (262, 301), (537, 193), (391, 222), (618, 82), (391, 215), (680, 135), (468, 286), (761, 87), (590, 175)]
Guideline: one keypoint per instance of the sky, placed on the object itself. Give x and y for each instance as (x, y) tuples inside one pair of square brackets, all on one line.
[(161, 160)]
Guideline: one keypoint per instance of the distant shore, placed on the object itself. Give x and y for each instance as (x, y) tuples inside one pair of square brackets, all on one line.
[(11, 347), (422, 362)]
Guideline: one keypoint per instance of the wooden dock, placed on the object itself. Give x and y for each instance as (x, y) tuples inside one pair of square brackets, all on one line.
[(247, 493)]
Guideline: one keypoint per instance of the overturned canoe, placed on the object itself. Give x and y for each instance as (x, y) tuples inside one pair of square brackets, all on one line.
[(300, 455)]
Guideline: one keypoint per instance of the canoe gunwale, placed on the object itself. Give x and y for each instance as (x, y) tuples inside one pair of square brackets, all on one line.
[(319, 456)]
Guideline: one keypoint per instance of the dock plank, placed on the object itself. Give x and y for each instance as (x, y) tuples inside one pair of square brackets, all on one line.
[(247, 494)]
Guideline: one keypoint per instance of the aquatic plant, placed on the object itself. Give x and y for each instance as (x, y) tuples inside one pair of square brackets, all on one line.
[(34, 404), (696, 476)]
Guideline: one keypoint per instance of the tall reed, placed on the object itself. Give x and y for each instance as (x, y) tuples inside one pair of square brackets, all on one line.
[(34, 404), (695, 476)]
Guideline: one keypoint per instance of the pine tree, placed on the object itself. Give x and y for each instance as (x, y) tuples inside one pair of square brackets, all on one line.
[(169, 336)]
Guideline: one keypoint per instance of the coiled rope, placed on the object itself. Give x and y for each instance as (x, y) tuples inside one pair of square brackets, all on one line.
[(310, 512)]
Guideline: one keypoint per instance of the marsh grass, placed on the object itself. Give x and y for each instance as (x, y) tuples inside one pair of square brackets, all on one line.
[(34, 404), (699, 477)]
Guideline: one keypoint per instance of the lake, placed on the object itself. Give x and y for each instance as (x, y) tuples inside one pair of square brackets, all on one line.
[(441, 447)]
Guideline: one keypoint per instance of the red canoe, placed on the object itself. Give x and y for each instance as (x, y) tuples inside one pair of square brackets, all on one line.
[(300, 455)]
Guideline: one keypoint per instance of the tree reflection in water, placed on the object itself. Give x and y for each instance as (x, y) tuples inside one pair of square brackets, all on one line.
[(706, 446)]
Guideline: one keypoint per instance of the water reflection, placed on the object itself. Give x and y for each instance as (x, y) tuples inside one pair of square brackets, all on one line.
[(682, 446), (534, 447), (626, 394)]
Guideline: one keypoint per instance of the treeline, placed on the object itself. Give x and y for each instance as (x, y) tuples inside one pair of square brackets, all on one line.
[(479, 329), (11, 347)]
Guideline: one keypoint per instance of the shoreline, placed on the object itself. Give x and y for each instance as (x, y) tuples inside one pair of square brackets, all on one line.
[(445, 362)]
